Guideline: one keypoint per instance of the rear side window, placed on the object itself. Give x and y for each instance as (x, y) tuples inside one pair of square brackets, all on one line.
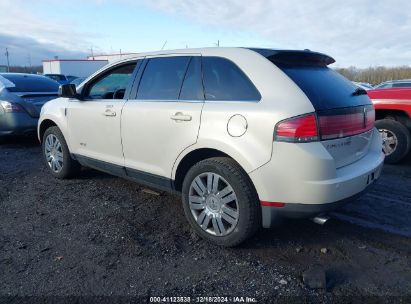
[(163, 77), (29, 83), (56, 77), (325, 88), (192, 88), (384, 86), (401, 85), (223, 80)]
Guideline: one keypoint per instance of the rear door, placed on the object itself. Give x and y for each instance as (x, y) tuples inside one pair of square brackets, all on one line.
[(163, 118), (94, 121)]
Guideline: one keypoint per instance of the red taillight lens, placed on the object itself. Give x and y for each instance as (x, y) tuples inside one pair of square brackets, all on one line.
[(356, 121), (370, 117), (11, 107), (297, 129)]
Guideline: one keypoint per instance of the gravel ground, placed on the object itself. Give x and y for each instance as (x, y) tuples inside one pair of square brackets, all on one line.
[(100, 235)]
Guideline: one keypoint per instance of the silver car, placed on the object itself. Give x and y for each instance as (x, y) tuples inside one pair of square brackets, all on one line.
[(21, 99)]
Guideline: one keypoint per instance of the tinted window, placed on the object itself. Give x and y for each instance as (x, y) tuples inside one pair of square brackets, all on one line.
[(325, 88), (223, 80), (192, 88), (31, 83), (56, 77), (401, 85), (112, 85), (384, 86), (162, 78)]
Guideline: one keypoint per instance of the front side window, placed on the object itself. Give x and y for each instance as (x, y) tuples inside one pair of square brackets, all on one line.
[(113, 84), (223, 80), (162, 78)]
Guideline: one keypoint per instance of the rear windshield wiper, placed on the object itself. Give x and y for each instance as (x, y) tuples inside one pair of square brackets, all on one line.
[(359, 91)]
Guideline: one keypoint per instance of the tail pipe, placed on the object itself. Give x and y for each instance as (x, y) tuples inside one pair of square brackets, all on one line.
[(320, 219)]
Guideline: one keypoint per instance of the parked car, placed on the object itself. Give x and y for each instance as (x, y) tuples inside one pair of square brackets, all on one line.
[(363, 85), (60, 78), (393, 114), (245, 135), (71, 78), (21, 98), (78, 81), (405, 83)]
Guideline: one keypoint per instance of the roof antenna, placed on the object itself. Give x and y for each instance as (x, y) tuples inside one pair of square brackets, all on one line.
[(165, 42)]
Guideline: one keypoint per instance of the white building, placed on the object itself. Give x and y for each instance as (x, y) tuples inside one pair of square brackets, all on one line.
[(112, 57), (74, 67)]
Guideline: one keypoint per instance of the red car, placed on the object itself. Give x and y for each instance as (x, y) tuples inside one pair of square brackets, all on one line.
[(393, 119)]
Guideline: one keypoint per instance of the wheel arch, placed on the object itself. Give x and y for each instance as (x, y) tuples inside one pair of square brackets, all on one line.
[(190, 158), (43, 126), (401, 116)]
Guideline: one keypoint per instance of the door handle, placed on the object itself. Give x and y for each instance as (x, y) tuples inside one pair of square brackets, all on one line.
[(181, 117), (109, 112)]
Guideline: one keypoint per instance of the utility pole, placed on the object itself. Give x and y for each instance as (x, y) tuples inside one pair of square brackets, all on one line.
[(31, 68), (8, 62)]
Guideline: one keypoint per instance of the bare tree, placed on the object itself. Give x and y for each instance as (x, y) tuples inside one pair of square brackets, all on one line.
[(376, 75)]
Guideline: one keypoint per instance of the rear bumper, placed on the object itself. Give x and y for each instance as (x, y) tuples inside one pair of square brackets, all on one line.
[(17, 123), (304, 179), (271, 215)]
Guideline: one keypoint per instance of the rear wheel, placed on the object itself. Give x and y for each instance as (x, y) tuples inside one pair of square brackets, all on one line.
[(57, 155), (220, 201), (396, 140)]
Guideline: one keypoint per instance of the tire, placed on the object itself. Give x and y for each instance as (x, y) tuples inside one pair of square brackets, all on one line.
[(396, 140), (57, 156), (238, 211)]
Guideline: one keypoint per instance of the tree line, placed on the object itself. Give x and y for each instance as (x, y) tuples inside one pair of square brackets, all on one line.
[(376, 75), (373, 75), (26, 69)]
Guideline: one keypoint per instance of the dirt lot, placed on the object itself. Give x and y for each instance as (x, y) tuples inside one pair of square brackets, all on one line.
[(100, 235)]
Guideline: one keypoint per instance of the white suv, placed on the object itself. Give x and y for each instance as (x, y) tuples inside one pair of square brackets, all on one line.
[(245, 135)]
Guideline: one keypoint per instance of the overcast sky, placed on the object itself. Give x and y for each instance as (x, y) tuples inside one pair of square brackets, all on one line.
[(358, 33)]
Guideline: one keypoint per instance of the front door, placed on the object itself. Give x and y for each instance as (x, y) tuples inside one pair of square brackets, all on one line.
[(94, 121)]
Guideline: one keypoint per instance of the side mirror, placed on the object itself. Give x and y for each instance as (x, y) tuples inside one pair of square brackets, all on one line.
[(68, 90)]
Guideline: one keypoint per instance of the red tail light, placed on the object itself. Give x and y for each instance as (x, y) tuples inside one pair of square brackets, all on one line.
[(358, 120), (331, 125), (297, 129)]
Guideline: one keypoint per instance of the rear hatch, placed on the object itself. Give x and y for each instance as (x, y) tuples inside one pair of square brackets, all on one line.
[(345, 115), (32, 102)]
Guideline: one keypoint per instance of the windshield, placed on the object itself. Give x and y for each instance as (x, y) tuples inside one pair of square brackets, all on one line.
[(31, 83)]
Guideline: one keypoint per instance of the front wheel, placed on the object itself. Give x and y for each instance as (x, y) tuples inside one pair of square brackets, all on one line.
[(396, 140), (57, 155), (220, 202)]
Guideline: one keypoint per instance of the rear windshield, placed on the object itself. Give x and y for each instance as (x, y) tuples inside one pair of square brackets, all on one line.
[(28, 83), (325, 88)]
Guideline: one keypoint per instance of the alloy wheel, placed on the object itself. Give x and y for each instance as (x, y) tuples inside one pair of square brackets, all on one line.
[(213, 204), (389, 141), (54, 153)]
